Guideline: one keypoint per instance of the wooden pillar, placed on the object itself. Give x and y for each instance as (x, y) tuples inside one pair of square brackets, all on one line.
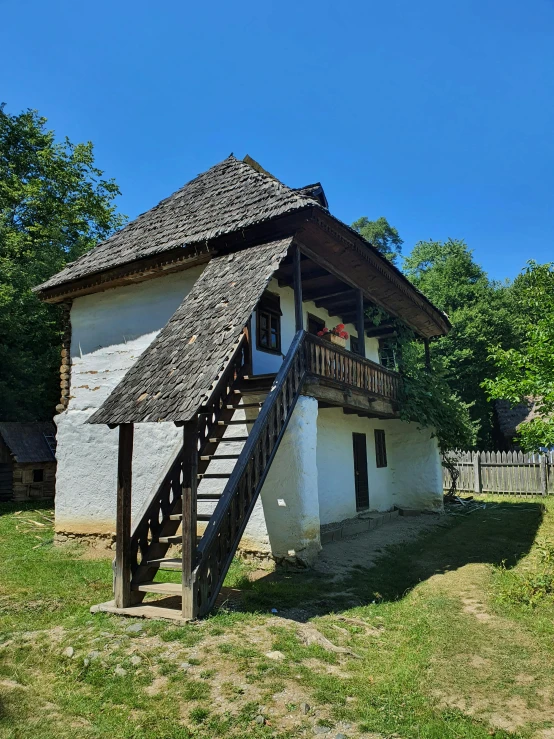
[(122, 586), (190, 481), (543, 474), (360, 322), (297, 286), (248, 350), (427, 355)]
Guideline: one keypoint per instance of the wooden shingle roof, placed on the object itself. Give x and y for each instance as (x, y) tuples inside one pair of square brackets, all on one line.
[(228, 197), (27, 442), (175, 374)]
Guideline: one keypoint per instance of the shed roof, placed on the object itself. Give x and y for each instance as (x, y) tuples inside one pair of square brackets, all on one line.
[(26, 440), (228, 197), (176, 373)]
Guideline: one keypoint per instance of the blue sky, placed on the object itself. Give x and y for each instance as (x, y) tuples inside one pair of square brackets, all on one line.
[(438, 115)]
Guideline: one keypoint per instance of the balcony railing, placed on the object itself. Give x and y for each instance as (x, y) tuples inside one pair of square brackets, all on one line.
[(324, 359)]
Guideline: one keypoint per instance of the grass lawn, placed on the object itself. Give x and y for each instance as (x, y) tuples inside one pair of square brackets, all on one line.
[(450, 635)]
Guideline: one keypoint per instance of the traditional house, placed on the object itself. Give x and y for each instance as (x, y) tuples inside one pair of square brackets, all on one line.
[(195, 375), (27, 461)]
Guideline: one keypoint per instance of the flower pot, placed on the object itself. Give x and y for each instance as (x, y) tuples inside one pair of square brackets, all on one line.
[(334, 339)]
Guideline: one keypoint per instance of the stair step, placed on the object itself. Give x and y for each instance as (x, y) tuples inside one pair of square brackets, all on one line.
[(167, 563), (239, 422), (199, 516), (214, 476), (208, 496), (243, 405), (163, 588), (209, 457), (228, 439), (176, 539)]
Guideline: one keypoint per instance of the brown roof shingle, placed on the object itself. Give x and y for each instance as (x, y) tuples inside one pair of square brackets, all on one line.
[(175, 374), (227, 197)]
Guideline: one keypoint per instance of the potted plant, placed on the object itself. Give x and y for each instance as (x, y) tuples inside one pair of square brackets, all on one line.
[(335, 335)]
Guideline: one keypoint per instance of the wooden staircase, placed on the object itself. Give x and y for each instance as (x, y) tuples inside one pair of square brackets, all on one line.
[(215, 479)]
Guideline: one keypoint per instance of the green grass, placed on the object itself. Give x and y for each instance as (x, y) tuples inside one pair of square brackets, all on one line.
[(450, 635)]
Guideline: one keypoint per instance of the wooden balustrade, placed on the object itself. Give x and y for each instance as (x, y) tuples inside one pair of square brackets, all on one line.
[(324, 359)]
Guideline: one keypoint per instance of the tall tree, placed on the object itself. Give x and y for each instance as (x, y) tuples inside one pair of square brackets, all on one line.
[(382, 235), (528, 371), (54, 205), (481, 312)]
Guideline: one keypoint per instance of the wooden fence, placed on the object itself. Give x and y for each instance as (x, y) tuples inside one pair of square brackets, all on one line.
[(512, 473)]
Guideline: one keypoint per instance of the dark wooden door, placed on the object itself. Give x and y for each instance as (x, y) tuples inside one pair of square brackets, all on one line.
[(360, 471)]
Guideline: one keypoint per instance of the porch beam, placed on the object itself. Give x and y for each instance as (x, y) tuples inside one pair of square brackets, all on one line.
[(360, 322), (297, 287), (122, 584), (189, 523)]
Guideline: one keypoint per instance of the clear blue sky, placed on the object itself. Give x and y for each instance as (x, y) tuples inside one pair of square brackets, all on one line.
[(437, 114)]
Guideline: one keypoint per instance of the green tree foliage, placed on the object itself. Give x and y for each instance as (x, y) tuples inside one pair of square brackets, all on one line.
[(382, 235), (54, 205), (481, 312), (527, 371)]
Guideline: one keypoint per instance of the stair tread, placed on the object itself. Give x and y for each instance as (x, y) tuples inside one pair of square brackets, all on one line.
[(166, 588), (167, 563), (210, 457), (214, 475), (236, 422), (227, 439)]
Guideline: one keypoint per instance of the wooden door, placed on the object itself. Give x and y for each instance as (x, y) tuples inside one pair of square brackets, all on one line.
[(6, 481), (360, 471)]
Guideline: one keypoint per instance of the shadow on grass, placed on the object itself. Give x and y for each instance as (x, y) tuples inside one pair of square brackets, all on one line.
[(10, 507), (501, 533)]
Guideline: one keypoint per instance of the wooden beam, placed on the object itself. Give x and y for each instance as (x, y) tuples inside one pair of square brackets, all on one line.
[(188, 525), (360, 322), (318, 297), (122, 585), (297, 287)]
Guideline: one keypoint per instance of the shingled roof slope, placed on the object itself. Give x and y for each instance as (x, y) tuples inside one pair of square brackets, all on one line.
[(228, 197), (26, 440), (175, 374)]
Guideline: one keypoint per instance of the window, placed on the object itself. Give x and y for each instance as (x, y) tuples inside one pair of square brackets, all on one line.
[(38, 475), (354, 346), (380, 448), (315, 324), (388, 353), (268, 323)]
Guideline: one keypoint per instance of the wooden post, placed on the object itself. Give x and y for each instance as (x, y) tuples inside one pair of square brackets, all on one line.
[(190, 481), (427, 355), (248, 351), (544, 475), (297, 286), (477, 483), (122, 585), (360, 321)]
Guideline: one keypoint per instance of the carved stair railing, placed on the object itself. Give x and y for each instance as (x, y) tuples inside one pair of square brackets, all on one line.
[(166, 502), (224, 531)]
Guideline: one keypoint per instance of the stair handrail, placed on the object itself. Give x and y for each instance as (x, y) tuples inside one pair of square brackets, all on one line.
[(294, 359)]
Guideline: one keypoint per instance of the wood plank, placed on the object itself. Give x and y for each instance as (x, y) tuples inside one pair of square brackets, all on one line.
[(163, 588), (188, 524), (141, 611), (122, 585)]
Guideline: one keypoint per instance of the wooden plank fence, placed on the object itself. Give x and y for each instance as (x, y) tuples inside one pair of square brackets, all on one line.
[(512, 473)]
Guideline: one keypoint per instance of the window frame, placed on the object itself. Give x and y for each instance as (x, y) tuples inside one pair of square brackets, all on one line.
[(40, 473), (269, 307), (315, 319)]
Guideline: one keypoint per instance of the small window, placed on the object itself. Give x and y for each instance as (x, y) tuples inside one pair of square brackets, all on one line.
[(388, 353), (38, 475), (268, 323), (380, 448), (354, 346), (315, 324)]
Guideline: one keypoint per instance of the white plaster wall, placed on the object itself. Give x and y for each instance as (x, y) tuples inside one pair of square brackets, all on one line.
[(265, 362), (412, 477), (109, 332)]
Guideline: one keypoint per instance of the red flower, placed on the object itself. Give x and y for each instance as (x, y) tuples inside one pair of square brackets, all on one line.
[(339, 327), (325, 330), (344, 334)]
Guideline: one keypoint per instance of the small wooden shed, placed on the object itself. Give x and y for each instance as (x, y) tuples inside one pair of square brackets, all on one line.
[(27, 460)]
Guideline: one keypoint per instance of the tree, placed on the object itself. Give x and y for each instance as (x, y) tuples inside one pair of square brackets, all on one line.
[(382, 235), (54, 205), (481, 312), (527, 371)]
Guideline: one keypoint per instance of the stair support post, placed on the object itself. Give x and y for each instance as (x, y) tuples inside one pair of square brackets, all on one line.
[(122, 584), (189, 523)]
